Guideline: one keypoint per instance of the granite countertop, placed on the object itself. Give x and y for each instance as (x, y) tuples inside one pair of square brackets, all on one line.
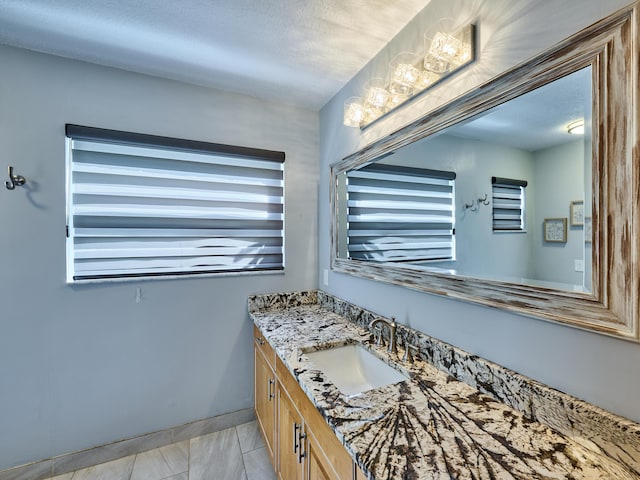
[(430, 426)]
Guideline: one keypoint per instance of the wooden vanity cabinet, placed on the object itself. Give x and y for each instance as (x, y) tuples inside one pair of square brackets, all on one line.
[(265, 391), (301, 443), (318, 453)]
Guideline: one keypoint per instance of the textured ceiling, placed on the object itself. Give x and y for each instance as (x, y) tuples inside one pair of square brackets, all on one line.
[(296, 51)]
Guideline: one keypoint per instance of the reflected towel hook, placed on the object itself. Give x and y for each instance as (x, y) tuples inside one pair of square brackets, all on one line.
[(474, 206), (14, 180)]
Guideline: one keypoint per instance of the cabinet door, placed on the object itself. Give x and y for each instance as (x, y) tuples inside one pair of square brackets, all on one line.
[(291, 441), (318, 466), (265, 398)]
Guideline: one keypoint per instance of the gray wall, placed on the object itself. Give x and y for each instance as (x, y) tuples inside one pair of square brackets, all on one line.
[(559, 181), (596, 368), (84, 365)]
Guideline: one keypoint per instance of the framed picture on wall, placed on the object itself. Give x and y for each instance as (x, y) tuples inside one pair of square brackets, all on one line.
[(588, 232), (555, 230), (577, 213)]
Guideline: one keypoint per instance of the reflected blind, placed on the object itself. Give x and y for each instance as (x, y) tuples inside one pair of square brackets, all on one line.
[(145, 206), (508, 204), (400, 214)]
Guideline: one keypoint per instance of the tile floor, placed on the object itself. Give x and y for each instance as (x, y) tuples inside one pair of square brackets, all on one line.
[(237, 453)]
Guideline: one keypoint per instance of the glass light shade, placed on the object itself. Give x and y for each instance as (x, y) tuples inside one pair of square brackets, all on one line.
[(449, 48), (354, 113), (372, 113), (435, 65), (425, 80), (465, 55), (466, 37), (404, 73), (376, 94), (445, 47), (396, 99)]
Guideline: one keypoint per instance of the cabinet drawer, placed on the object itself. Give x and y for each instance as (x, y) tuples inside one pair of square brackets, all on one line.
[(262, 345)]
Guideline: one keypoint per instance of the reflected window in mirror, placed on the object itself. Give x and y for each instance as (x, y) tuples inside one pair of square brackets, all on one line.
[(400, 214), (401, 207), (509, 203)]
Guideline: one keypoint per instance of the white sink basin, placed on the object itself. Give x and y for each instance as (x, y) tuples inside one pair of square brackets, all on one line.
[(353, 369)]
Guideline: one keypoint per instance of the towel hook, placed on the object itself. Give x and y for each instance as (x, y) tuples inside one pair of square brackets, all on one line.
[(14, 180)]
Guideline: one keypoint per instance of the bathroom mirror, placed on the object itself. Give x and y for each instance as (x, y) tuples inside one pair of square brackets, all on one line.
[(490, 199)]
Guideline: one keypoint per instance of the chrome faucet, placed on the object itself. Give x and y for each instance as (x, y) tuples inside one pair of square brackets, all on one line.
[(392, 332)]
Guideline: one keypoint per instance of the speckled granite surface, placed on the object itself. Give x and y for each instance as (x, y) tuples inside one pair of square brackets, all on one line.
[(492, 424)]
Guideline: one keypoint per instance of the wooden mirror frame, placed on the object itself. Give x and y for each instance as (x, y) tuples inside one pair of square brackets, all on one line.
[(610, 47)]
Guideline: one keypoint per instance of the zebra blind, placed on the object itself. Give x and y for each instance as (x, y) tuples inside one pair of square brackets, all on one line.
[(400, 214), (147, 206), (508, 204)]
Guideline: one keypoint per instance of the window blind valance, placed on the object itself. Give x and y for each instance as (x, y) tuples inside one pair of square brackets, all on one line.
[(147, 206), (80, 132)]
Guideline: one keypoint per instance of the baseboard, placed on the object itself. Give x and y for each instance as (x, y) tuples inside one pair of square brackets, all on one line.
[(69, 462)]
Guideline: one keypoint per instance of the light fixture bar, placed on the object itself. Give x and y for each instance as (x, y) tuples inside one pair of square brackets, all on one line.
[(411, 75)]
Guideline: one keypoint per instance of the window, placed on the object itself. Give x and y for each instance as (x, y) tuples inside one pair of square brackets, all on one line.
[(147, 206), (508, 204), (400, 214)]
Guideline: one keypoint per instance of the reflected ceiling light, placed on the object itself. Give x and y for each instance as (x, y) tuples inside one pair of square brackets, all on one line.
[(411, 74), (576, 128)]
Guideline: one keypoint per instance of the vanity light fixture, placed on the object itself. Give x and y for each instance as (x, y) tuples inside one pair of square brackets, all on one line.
[(411, 74), (576, 128)]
